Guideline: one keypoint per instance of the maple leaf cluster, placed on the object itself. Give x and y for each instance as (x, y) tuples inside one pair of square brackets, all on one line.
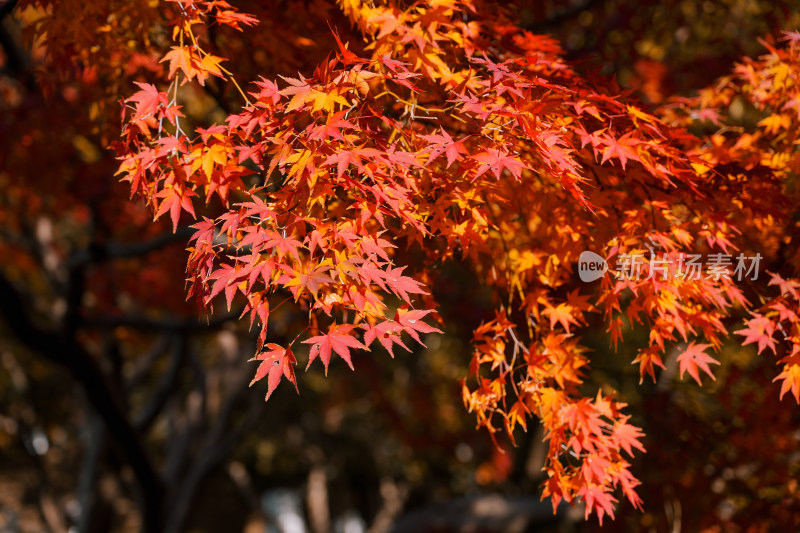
[(761, 160), (456, 133)]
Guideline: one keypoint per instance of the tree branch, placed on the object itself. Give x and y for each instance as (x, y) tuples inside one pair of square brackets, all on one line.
[(145, 363), (561, 16), (484, 513), (96, 253), (86, 491), (164, 324), (6, 9), (217, 444), (15, 58), (165, 386), (63, 349)]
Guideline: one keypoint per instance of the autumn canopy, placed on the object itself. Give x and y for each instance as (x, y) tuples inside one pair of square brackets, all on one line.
[(436, 149)]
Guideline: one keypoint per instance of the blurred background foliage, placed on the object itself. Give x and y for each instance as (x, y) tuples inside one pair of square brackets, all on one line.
[(661, 48), (109, 376)]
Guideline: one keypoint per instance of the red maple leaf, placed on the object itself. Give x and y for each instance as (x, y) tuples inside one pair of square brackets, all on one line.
[(411, 322), (444, 143), (233, 18), (695, 357), (402, 285), (597, 499), (277, 362), (337, 339), (332, 128), (310, 279), (284, 244), (627, 436), (387, 333), (148, 100), (787, 286), (497, 160), (622, 148), (175, 199), (759, 330)]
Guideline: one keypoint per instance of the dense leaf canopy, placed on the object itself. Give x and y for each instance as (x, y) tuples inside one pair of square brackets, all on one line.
[(370, 176)]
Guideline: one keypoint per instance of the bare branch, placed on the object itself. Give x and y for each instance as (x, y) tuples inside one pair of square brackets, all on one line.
[(6, 9), (166, 386), (96, 253), (218, 443), (562, 16), (164, 324), (63, 349)]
